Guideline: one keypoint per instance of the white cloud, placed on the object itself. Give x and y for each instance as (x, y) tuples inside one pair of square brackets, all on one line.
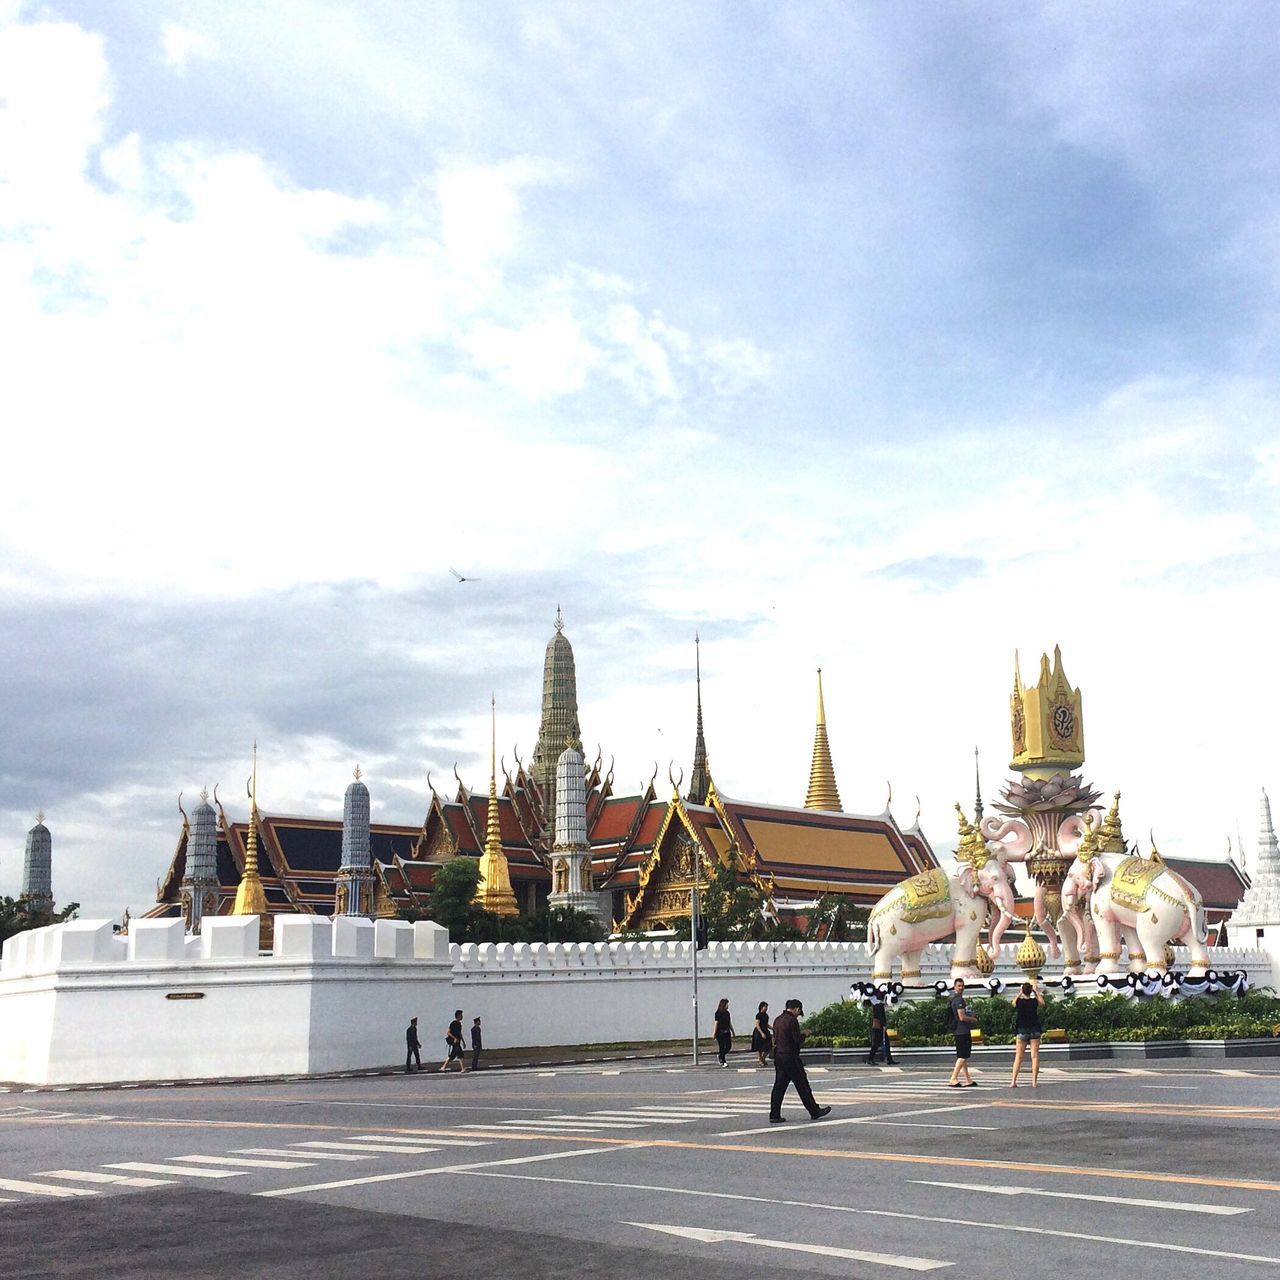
[(180, 44)]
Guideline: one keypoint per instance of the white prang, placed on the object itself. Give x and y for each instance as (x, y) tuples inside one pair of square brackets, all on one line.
[(1256, 921), (570, 854)]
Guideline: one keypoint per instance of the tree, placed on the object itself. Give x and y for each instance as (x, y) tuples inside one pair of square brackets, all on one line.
[(451, 894), (17, 915), (733, 911), (837, 919)]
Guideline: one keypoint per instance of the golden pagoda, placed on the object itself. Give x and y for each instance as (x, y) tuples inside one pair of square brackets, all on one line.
[(494, 892), (251, 898), (823, 793)]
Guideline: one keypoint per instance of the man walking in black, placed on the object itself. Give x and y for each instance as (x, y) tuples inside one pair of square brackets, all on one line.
[(787, 1067), (453, 1038), (477, 1043), (412, 1045)]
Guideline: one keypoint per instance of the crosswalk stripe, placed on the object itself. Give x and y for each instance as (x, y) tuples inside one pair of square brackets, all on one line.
[(404, 1137), (92, 1175), (246, 1162), (565, 1126), (285, 1151), (362, 1146), (42, 1189), (142, 1166)]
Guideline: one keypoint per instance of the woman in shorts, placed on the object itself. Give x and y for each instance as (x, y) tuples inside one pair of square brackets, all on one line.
[(1027, 1006)]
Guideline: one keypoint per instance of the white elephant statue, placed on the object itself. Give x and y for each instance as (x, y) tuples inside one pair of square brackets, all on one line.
[(1142, 901), (932, 906)]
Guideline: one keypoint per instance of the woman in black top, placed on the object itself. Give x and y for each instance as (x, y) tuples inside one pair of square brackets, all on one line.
[(1027, 1006), (762, 1036), (724, 1031)]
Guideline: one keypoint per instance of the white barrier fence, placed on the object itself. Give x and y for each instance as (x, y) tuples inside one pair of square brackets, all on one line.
[(79, 1004)]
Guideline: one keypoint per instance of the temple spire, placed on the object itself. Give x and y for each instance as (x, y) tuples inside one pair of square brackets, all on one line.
[(559, 719), (251, 898), (977, 787), (494, 892), (823, 793), (700, 778)]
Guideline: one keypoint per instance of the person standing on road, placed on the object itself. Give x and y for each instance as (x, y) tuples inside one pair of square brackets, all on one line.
[(477, 1043), (723, 1032), (762, 1037), (879, 1032), (1027, 1008), (413, 1045), (787, 1066), (960, 1022), (453, 1038)]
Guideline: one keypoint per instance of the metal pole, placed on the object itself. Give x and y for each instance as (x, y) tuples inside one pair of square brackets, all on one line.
[(693, 942)]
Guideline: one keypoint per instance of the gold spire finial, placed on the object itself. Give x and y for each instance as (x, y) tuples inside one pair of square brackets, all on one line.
[(39, 817), (251, 897), (494, 892), (1111, 833), (823, 792), (204, 794), (559, 619), (357, 773)]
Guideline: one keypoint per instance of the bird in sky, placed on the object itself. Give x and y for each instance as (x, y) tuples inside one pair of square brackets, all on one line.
[(460, 578)]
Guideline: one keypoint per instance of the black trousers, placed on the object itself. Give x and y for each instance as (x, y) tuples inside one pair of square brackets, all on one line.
[(879, 1041), (475, 1057), (790, 1070), (414, 1056), (724, 1043)]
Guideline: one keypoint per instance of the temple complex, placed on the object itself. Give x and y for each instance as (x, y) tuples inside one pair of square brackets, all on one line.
[(627, 858)]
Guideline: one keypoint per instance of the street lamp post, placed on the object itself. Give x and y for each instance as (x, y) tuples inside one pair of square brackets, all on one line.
[(693, 942)]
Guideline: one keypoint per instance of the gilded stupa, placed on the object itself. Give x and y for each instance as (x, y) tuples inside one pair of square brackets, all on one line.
[(823, 792), (251, 897), (494, 892)]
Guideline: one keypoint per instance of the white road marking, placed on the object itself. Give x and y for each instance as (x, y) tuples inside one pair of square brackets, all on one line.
[(142, 1166), (245, 1162), (42, 1189), (407, 1137), (1180, 1087), (605, 1120), (826, 1250), (1182, 1206), (828, 1123), (457, 1168), (92, 1175), (285, 1151), (981, 1224), (385, 1147)]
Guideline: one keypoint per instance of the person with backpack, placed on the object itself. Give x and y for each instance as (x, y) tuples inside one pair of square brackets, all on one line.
[(960, 1022), (1027, 1008)]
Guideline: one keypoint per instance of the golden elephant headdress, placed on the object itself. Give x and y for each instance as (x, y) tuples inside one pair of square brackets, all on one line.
[(972, 849)]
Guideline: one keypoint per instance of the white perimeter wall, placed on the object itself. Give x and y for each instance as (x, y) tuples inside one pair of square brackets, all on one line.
[(80, 1005)]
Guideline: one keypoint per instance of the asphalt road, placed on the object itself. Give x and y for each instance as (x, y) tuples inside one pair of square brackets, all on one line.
[(650, 1170)]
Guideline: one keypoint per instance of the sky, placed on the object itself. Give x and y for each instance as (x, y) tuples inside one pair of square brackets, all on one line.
[(886, 339)]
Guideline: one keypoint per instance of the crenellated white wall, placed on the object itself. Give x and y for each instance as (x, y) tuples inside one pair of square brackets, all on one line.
[(80, 1005)]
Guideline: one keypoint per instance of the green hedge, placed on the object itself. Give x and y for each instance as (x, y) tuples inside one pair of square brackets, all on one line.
[(847, 1025)]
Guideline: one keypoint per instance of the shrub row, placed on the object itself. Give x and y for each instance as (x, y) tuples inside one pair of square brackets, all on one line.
[(1222, 1017)]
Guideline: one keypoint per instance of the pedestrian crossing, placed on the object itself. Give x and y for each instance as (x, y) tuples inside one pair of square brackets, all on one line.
[(621, 1120), (173, 1170)]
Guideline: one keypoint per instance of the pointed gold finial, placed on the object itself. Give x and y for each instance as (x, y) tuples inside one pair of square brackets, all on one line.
[(559, 619), (204, 794), (251, 898), (40, 817), (357, 773), (494, 892), (823, 792), (1111, 833)]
